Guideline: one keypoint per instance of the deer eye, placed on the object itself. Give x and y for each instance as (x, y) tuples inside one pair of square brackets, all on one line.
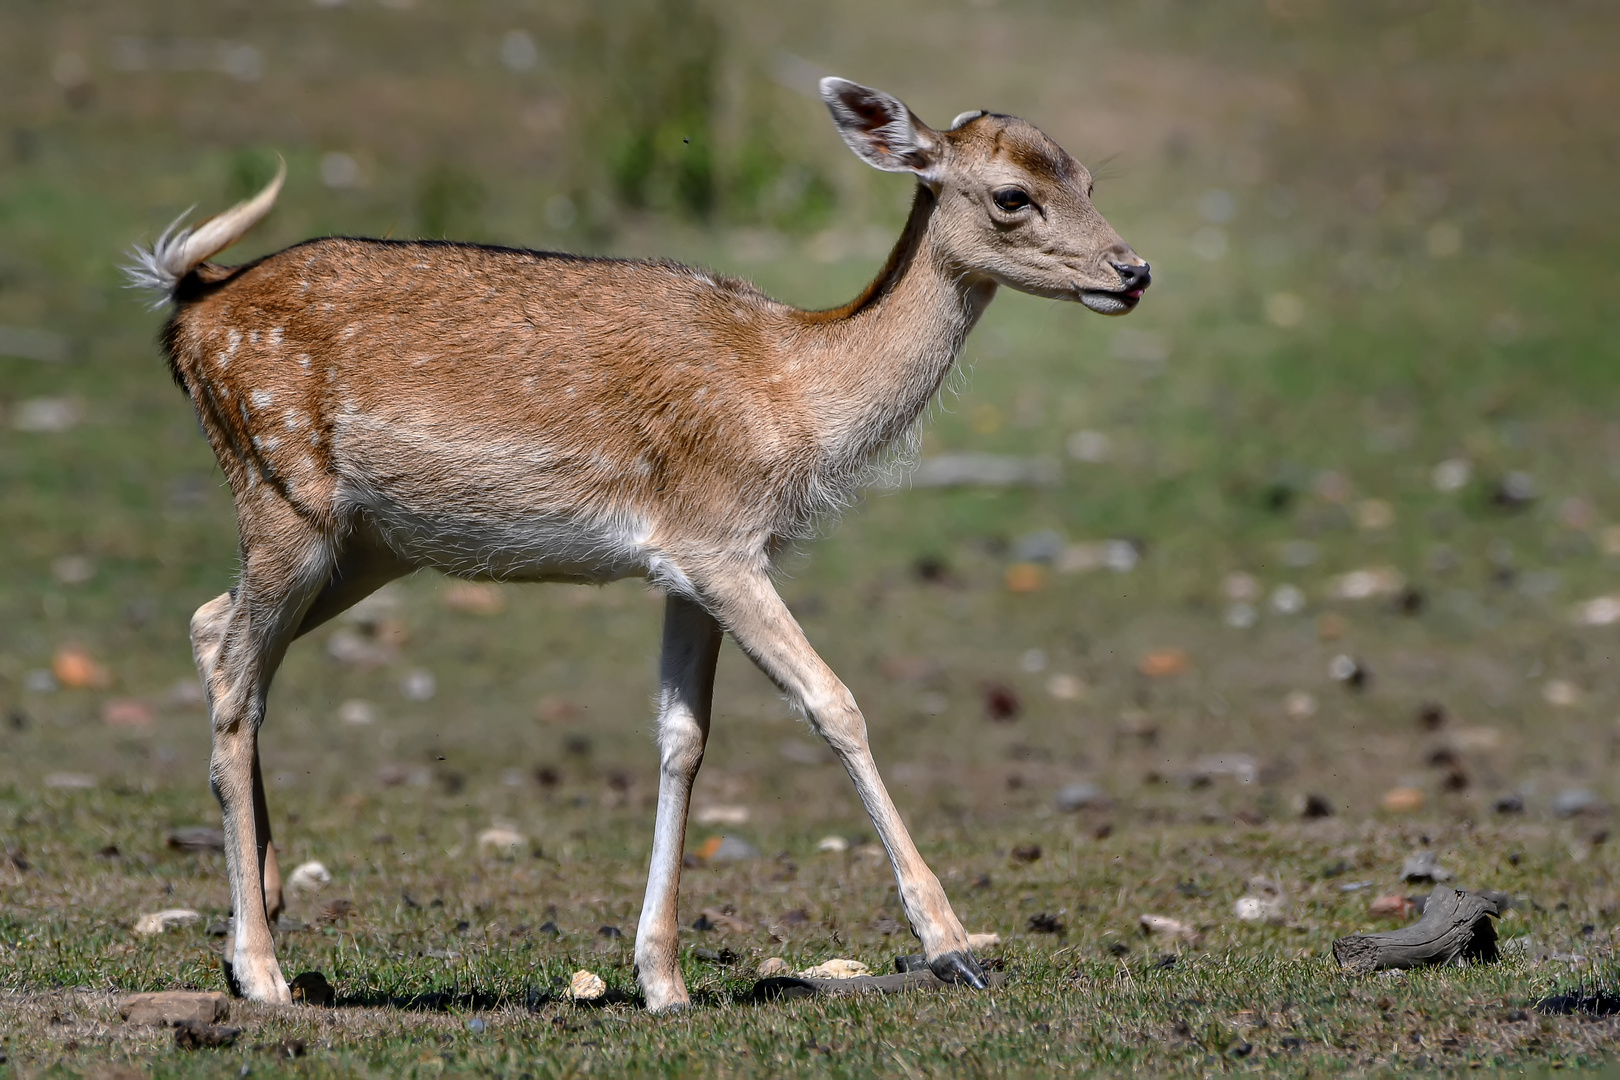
[(1010, 199)]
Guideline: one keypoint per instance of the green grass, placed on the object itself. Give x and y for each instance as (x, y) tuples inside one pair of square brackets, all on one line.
[(1345, 136)]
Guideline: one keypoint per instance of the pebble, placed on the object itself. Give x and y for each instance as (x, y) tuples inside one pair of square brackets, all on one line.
[(1164, 926), (1424, 866), (1257, 909), (1599, 611), (983, 941), (1367, 584), (309, 876), (1571, 803), (1065, 687), (586, 986), (357, 712), (1561, 693), (477, 1026), (501, 842), (1391, 906), (1300, 705), (773, 967), (1079, 796), (1403, 800), (156, 922), (173, 1007), (1162, 663), (199, 838), (69, 781), (734, 849), (721, 815), (833, 844), (837, 968), (1240, 767), (77, 670)]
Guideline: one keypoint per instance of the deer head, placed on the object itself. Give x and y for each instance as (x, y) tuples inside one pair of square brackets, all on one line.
[(1013, 205)]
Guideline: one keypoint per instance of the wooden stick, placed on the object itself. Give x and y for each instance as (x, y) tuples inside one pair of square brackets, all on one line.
[(1456, 926)]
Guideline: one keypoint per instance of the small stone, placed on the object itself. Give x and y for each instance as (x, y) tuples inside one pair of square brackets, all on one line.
[(1166, 927), (773, 967), (1081, 796), (1367, 584), (173, 1007), (69, 781), (309, 876), (1316, 806), (1571, 803), (1599, 611), (192, 1035), (1423, 866), (1026, 853), (477, 1026), (1001, 702), (977, 942), (1561, 693), (720, 919), (1451, 475), (1391, 906), (1508, 804), (837, 968), (1287, 600), (1256, 909), (586, 986), (734, 849), (311, 988), (357, 712), (78, 670), (1163, 663), (1065, 687), (1024, 577), (1241, 767), (1403, 800), (833, 844), (721, 815), (1300, 705), (501, 842), (418, 684), (156, 922)]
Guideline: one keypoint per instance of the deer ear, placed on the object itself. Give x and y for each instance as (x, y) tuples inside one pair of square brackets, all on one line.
[(880, 129)]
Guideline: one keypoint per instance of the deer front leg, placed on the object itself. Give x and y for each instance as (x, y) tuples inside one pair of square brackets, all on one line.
[(686, 678), (756, 617)]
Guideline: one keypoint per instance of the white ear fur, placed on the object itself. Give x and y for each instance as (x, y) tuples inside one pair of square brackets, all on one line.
[(962, 118), (879, 128)]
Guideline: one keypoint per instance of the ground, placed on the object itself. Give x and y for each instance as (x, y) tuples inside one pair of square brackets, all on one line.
[(1310, 588)]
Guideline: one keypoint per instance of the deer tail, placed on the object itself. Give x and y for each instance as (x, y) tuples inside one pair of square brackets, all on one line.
[(161, 266)]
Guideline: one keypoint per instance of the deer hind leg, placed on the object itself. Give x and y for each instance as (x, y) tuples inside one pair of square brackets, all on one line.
[(207, 637), (686, 691), (239, 640), (749, 607)]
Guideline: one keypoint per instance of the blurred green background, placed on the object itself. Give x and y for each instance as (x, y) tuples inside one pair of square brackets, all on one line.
[(1381, 338)]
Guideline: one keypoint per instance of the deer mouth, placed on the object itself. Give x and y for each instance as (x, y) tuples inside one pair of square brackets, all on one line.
[(1112, 302)]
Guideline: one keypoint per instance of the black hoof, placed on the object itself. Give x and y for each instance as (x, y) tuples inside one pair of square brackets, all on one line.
[(959, 967)]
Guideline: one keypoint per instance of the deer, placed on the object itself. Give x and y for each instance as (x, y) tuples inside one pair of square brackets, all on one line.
[(379, 407)]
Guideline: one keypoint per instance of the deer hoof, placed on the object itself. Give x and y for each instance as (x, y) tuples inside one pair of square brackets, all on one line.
[(959, 967)]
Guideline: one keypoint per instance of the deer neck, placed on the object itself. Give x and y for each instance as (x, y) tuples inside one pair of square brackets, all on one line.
[(885, 354)]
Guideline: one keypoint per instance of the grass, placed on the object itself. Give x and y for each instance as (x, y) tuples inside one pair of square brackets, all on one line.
[(1257, 408)]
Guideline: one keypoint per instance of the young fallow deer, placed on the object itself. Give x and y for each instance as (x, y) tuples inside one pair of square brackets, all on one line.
[(382, 406)]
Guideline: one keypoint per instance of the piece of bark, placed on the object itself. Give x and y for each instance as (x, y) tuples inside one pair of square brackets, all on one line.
[(1456, 924), (173, 1007), (796, 986)]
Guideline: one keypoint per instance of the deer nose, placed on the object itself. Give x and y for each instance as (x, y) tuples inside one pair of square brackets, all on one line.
[(1134, 276)]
